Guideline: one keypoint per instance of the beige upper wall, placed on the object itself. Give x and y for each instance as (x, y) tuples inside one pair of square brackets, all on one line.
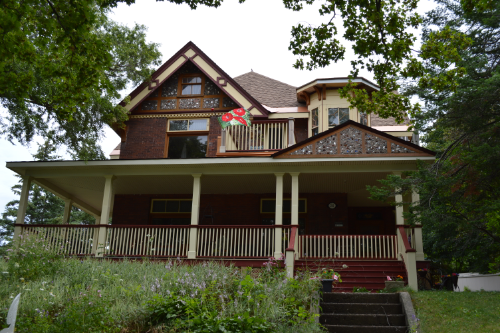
[(332, 100)]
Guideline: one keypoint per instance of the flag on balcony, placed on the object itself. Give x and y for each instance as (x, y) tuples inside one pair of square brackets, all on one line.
[(238, 116)]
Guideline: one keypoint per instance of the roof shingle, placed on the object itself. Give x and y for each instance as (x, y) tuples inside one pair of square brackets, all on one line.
[(267, 91)]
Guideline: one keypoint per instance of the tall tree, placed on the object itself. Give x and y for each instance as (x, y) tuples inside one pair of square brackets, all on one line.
[(459, 206)]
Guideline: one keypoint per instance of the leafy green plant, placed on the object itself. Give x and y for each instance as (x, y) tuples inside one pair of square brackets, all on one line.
[(360, 289)]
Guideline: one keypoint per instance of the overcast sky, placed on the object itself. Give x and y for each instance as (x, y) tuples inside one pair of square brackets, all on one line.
[(238, 37)]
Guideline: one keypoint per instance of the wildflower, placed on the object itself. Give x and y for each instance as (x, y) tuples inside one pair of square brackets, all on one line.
[(388, 278), (22, 279), (16, 265), (41, 289), (50, 293)]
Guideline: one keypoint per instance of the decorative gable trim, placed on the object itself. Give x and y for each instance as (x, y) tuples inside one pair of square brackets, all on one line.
[(350, 140), (190, 52)]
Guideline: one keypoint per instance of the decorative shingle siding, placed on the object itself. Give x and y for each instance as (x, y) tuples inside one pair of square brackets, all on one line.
[(145, 139)]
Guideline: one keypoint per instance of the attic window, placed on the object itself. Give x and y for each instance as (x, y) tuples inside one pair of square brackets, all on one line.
[(191, 86)]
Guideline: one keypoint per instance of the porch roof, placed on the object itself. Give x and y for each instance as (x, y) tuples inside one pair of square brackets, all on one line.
[(83, 182)]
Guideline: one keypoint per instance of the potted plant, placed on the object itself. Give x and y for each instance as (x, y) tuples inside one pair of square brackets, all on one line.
[(395, 283), (329, 277)]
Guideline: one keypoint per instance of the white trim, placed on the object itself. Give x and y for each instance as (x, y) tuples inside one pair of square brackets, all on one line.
[(201, 162)]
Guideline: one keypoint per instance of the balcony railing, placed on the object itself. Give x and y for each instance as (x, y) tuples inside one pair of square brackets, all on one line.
[(260, 136)]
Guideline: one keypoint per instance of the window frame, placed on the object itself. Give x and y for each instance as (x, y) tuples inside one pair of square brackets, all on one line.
[(190, 75), (339, 119), (188, 130), (283, 212), (313, 126), (170, 200)]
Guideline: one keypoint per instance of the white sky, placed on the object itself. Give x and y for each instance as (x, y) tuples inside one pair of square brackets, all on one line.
[(238, 37)]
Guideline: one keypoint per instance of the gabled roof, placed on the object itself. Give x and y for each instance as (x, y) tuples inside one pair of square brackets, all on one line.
[(190, 52), (268, 91), (352, 139)]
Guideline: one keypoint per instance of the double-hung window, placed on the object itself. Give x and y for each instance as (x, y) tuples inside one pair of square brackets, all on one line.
[(338, 116)]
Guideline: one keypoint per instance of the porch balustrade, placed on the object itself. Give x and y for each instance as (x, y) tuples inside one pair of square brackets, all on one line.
[(348, 246), (257, 137), (65, 239), (156, 241), (212, 241), (238, 241)]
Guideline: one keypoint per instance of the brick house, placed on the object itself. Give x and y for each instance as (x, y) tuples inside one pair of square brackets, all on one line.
[(294, 182)]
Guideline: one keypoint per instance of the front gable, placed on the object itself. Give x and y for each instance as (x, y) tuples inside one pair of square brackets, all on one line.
[(352, 139), (219, 90)]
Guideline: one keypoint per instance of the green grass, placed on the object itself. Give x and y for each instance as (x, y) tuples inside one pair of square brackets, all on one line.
[(457, 312), (90, 295)]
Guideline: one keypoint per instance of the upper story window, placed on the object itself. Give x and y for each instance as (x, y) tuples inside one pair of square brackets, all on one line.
[(314, 122), (363, 119), (187, 138), (191, 85), (338, 116), (189, 125)]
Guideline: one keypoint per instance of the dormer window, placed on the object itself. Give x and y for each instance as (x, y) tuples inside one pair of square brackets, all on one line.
[(191, 86), (338, 116)]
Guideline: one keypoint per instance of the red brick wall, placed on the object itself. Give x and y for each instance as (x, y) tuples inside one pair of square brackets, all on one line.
[(145, 139), (214, 132), (301, 129), (241, 209)]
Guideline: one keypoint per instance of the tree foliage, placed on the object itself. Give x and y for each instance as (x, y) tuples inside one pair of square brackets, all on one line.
[(62, 67), (459, 205)]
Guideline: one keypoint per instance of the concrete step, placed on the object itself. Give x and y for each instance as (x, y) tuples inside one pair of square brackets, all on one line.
[(363, 308), (368, 285), (365, 329), (354, 298), (365, 319)]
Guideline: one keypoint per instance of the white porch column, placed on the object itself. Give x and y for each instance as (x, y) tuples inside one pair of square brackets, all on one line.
[(23, 204), (222, 148), (68, 204), (295, 207), (195, 212), (418, 232), (279, 199), (105, 214), (399, 210), (95, 238), (291, 131)]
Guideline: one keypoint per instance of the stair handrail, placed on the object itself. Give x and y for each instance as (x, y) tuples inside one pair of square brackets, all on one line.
[(289, 253), (407, 245)]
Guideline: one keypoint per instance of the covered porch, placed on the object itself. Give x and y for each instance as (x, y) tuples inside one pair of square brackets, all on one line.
[(233, 208)]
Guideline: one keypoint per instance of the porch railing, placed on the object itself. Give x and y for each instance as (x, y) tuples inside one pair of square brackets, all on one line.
[(214, 241), (348, 246), (65, 239), (238, 241), (157, 241), (257, 137)]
